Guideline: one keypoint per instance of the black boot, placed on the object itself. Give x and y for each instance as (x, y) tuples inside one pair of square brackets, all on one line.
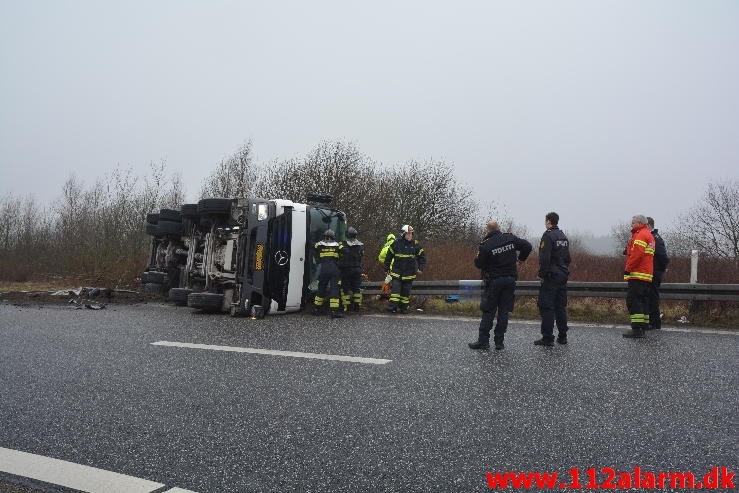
[(479, 345), (634, 333)]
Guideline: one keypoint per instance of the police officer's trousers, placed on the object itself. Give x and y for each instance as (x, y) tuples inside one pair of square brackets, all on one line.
[(553, 305), (498, 295), (655, 321)]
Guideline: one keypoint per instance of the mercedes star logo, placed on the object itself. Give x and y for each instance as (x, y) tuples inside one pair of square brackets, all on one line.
[(281, 257)]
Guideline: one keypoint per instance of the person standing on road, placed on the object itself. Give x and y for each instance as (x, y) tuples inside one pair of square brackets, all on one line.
[(661, 261), (497, 258), (328, 280), (638, 274), (405, 259), (554, 263), (386, 284), (350, 263)]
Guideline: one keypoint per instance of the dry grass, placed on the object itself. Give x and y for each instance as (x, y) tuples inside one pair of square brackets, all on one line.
[(593, 310)]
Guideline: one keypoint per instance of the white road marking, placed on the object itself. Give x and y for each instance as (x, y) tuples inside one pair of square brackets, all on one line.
[(179, 490), (292, 354), (71, 475)]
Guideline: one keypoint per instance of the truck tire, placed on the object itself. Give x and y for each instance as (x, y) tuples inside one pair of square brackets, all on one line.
[(170, 215), (208, 302), (189, 211), (153, 277), (152, 288), (153, 229), (152, 218), (179, 295), (215, 207), (170, 227)]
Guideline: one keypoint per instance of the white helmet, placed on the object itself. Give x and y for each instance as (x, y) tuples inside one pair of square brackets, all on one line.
[(407, 228)]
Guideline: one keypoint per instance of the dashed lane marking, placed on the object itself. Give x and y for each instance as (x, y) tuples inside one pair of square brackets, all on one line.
[(272, 352), (71, 475)]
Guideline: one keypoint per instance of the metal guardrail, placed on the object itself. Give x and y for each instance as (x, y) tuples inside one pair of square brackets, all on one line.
[(671, 291)]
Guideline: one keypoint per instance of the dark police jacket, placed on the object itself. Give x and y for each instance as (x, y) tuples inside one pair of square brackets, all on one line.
[(554, 253), (661, 260), (497, 256)]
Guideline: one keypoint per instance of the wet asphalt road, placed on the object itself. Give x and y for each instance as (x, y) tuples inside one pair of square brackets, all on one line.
[(89, 387)]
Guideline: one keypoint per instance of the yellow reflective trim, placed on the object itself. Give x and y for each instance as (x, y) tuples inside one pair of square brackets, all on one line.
[(404, 255), (640, 243), (639, 276)]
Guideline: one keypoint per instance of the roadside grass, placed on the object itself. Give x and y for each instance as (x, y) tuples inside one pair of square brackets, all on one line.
[(589, 310)]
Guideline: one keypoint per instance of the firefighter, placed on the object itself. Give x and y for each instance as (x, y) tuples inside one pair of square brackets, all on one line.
[(497, 260), (638, 273), (404, 259), (328, 280), (386, 287), (350, 263), (554, 263), (661, 261)]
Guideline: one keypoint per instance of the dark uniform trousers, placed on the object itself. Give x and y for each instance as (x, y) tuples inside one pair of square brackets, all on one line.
[(328, 285), (351, 285), (553, 304), (400, 290), (498, 295), (637, 301), (654, 316)]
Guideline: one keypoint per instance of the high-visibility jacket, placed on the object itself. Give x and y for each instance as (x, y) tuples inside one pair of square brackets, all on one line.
[(383, 253), (640, 255)]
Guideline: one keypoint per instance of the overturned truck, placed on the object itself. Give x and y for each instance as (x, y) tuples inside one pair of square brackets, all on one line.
[(239, 255)]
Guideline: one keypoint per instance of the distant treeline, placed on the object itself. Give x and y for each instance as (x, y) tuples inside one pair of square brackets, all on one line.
[(96, 231)]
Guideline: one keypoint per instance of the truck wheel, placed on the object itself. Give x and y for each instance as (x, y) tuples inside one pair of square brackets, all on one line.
[(152, 229), (152, 288), (179, 296), (208, 302), (152, 218), (170, 227), (218, 207), (170, 215), (153, 277), (189, 211)]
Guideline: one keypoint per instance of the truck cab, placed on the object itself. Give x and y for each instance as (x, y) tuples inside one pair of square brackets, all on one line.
[(252, 252)]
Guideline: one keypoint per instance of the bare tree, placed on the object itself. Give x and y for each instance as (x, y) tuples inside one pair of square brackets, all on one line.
[(712, 225), (621, 234), (233, 177)]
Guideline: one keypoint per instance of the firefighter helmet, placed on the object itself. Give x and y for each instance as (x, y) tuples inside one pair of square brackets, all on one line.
[(407, 229), (351, 233), (329, 233)]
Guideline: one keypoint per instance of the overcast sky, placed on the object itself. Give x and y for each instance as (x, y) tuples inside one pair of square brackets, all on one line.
[(595, 109)]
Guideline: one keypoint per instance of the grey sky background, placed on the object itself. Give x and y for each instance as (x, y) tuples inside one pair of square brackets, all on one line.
[(594, 109)]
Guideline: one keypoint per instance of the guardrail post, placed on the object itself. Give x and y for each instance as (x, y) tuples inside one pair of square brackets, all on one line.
[(694, 267)]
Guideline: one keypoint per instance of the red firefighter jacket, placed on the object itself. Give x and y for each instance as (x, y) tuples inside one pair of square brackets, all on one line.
[(640, 255)]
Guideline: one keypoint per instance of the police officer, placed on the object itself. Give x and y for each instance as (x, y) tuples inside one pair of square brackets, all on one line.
[(554, 263), (496, 258), (661, 261), (404, 259), (328, 280), (350, 263)]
